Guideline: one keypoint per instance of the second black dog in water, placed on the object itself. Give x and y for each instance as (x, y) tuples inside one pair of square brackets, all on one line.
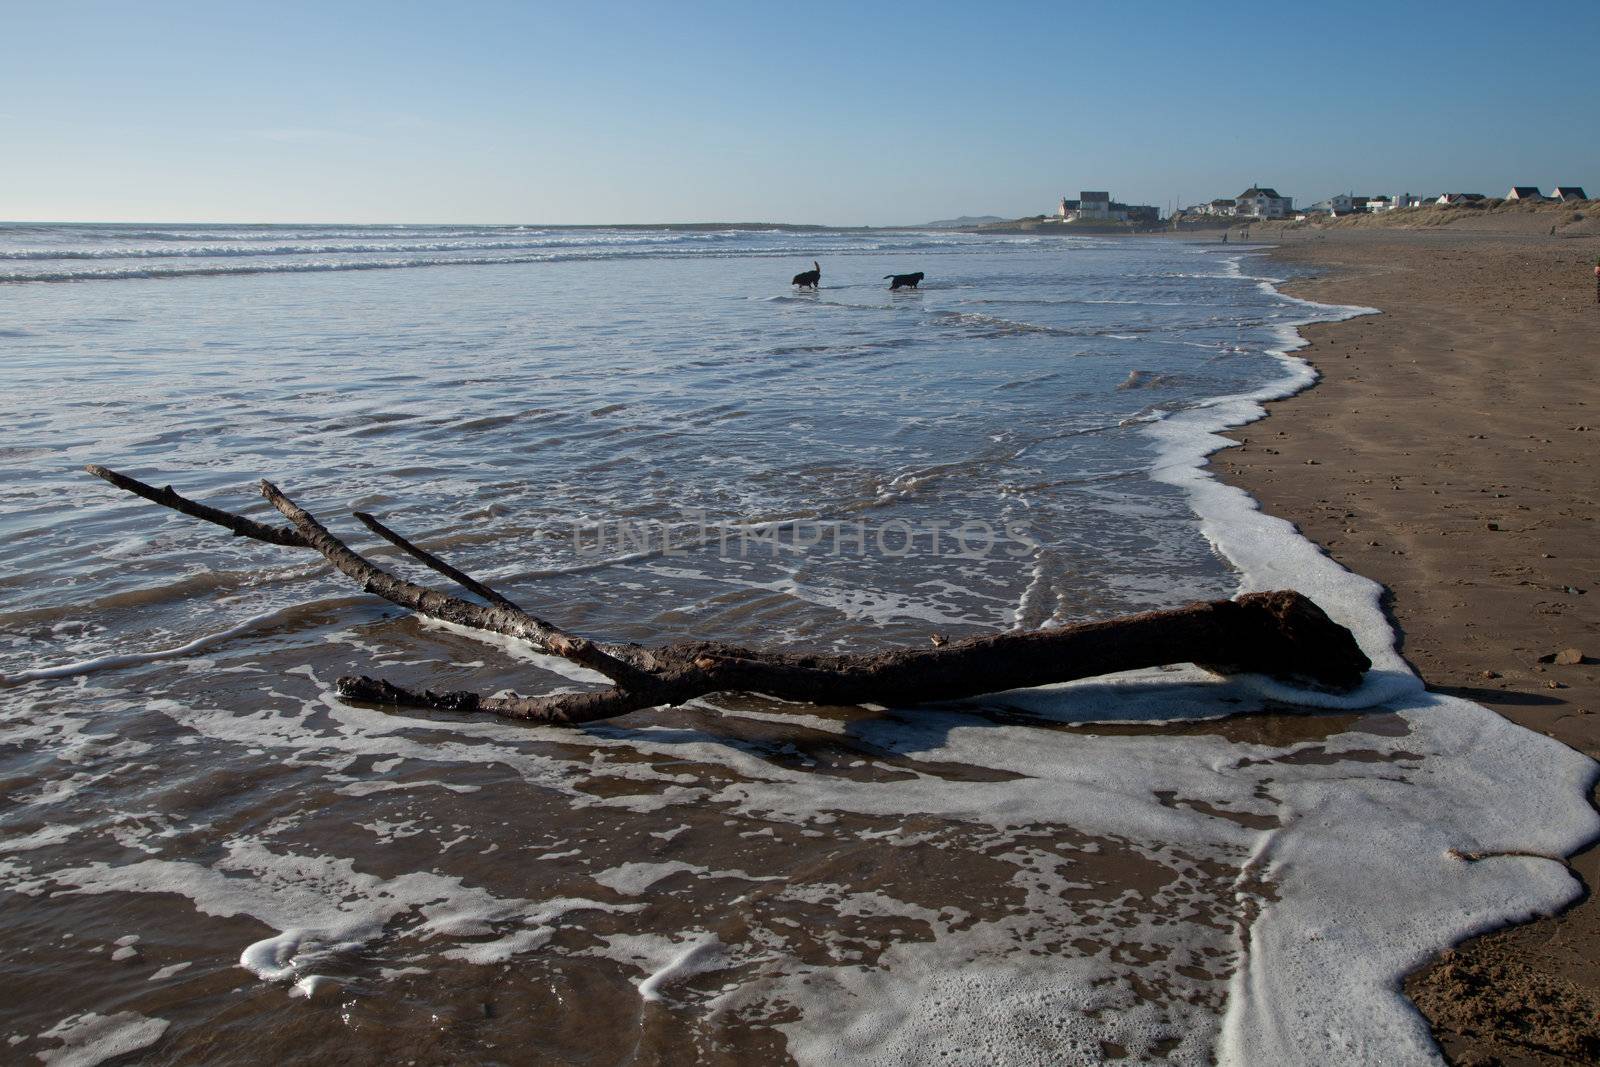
[(808, 279), (909, 281)]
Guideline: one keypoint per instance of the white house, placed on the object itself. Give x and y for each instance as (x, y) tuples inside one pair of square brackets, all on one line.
[(1525, 192), (1568, 192), (1449, 199), (1346, 203), (1392, 203), (1262, 203), (1340, 204)]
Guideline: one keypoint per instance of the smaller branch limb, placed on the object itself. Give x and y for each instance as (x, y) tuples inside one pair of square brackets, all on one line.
[(560, 709), (167, 497), (428, 559), (495, 619), (624, 665)]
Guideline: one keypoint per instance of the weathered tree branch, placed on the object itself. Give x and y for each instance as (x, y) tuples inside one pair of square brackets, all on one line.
[(1281, 633)]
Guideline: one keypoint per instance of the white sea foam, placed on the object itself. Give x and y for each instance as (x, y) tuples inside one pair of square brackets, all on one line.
[(697, 957), (323, 908), (88, 1038), (163, 973)]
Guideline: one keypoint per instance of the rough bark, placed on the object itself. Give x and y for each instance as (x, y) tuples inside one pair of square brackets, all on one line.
[(1280, 633)]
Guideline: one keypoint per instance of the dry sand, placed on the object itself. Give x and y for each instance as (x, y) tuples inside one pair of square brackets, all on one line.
[(1452, 452)]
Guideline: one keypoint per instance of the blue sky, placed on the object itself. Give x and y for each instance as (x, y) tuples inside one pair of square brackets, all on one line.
[(869, 113)]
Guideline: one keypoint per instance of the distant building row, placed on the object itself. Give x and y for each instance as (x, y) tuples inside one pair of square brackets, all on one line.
[(1350, 204), (1260, 202), (1263, 202), (1093, 206)]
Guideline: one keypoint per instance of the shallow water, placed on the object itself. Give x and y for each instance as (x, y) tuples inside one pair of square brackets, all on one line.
[(735, 880)]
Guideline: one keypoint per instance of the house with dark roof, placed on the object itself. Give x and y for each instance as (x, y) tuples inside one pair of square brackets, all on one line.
[(1568, 192), (1448, 199), (1261, 202), (1097, 206), (1094, 206), (1525, 192)]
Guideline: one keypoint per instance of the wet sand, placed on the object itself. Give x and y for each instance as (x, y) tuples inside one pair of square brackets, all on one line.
[(1449, 452)]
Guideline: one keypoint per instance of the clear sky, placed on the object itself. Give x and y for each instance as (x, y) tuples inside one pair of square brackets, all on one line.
[(847, 113)]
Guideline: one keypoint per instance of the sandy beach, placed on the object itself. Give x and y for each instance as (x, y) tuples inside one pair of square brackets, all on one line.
[(1449, 453)]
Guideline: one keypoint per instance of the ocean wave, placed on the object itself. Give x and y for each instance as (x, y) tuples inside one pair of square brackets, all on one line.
[(249, 266), (215, 250)]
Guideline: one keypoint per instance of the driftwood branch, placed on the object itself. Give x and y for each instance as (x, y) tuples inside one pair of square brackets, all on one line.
[(1282, 634)]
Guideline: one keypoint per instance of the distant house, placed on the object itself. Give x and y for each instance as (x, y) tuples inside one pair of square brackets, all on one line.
[(1262, 203), (1094, 206), (1392, 203), (1524, 192), (1568, 192), (1220, 207), (1395, 202), (1097, 206), (1458, 198), (1345, 204)]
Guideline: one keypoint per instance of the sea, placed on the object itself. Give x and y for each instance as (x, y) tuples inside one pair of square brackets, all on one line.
[(648, 435)]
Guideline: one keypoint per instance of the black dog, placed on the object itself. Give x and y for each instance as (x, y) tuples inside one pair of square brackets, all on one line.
[(808, 279), (908, 280)]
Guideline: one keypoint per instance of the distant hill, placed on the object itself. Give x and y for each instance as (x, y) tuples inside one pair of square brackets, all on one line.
[(964, 220)]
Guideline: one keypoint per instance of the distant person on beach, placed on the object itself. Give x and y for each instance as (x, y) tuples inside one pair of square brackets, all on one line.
[(1224, 236)]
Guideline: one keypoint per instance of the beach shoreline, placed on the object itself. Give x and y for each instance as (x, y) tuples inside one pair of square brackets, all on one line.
[(1445, 453)]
